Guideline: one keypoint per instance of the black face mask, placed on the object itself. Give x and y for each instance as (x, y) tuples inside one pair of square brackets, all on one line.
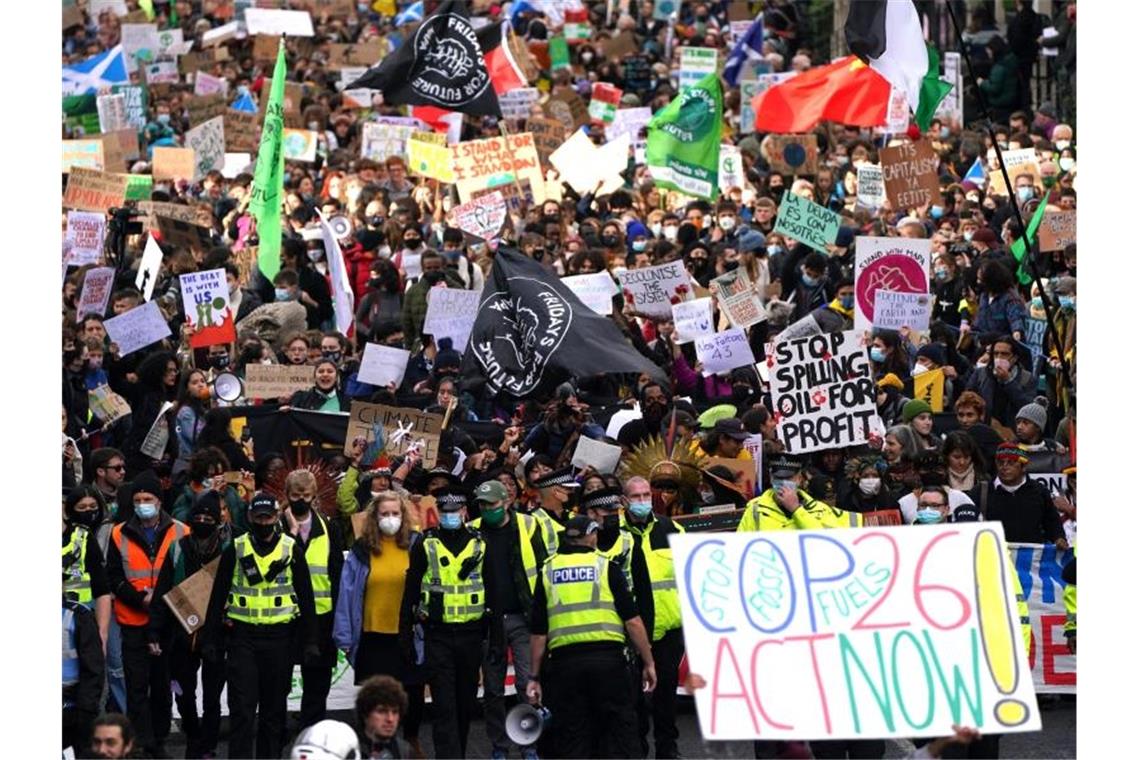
[(375, 282), (412, 243), (550, 219), (221, 361), (332, 356), (203, 531), (730, 266), (433, 278), (740, 393), (375, 221), (263, 533), (609, 241), (611, 523), (88, 519), (300, 507), (699, 265)]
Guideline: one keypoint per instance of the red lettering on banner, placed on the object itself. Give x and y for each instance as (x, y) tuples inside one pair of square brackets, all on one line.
[(1050, 650), (721, 647)]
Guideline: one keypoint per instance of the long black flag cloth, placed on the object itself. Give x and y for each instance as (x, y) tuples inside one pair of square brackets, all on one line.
[(532, 332), (440, 65)]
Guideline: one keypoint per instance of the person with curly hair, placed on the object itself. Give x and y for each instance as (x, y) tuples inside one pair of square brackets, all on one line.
[(862, 489)]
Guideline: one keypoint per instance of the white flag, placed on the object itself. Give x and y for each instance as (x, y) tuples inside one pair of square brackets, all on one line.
[(344, 305)]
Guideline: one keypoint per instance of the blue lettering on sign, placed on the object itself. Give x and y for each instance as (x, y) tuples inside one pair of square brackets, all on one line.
[(574, 574), (1048, 570)]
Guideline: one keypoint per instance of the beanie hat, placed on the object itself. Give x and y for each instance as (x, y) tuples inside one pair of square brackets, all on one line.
[(890, 380), (935, 352), (209, 502), (1035, 413), (987, 236), (447, 356), (1011, 450), (915, 407), (146, 482)]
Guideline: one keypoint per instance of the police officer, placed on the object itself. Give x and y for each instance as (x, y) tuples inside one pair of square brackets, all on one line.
[(444, 591), (660, 610), (82, 674), (84, 578), (320, 540), (264, 579), (583, 610), (1069, 596), (135, 554), (514, 552), (787, 506), (615, 543), (205, 543)]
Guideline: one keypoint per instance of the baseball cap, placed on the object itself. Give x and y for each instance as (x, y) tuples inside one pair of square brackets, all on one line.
[(491, 491), (579, 526), (731, 427), (263, 503)]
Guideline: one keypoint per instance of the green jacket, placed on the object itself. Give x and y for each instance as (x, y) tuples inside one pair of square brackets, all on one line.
[(1001, 87)]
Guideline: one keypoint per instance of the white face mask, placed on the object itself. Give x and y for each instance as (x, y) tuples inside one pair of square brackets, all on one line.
[(727, 223), (389, 524), (918, 370), (1062, 144), (1066, 164), (655, 228), (870, 486), (670, 233)]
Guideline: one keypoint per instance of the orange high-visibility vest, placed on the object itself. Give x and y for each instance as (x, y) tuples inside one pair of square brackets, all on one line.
[(141, 573)]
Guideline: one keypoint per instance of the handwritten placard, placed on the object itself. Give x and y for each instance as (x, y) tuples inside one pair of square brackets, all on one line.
[(497, 161), (395, 430), (653, 290), (897, 310), (891, 631), (737, 297), (548, 133), (242, 131), (596, 290), (897, 264), (429, 159), (208, 141), (870, 192), (450, 314), (381, 365), (482, 217), (602, 456), (808, 222), (910, 174), (137, 328), (1058, 229), (173, 164), (693, 319), (276, 380), (723, 351), (86, 154), (823, 394), (89, 190)]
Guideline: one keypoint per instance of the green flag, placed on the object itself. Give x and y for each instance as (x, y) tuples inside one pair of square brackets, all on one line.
[(265, 198), (931, 91), (683, 146), (1018, 247)]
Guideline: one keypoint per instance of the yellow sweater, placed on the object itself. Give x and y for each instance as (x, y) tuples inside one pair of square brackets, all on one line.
[(385, 588)]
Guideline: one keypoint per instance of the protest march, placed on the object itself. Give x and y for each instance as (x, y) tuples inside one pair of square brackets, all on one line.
[(554, 378)]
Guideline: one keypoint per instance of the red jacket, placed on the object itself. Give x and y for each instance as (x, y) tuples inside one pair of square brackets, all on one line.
[(358, 262)]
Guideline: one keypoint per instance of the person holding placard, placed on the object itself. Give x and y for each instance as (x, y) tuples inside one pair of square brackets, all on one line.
[(325, 395)]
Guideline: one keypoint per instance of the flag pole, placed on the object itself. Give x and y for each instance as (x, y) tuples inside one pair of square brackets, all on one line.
[(1046, 300)]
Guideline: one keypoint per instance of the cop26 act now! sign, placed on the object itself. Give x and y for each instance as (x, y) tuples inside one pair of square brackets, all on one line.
[(854, 633)]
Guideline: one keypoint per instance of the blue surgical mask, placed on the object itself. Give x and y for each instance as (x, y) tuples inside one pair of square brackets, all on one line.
[(164, 118), (941, 273), (774, 249), (146, 511), (640, 509), (282, 294), (1067, 303), (450, 520), (640, 245), (878, 355), (928, 516), (778, 484), (1024, 194), (1036, 303), (848, 302), (968, 235), (810, 281), (935, 212), (944, 133)]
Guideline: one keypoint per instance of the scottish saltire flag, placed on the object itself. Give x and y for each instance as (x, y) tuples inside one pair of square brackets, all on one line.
[(413, 14), (98, 71), (977, 173), (747, 48), (245, 103)]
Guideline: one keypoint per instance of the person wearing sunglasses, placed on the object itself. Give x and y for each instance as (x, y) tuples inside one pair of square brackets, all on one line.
[(110, 468)]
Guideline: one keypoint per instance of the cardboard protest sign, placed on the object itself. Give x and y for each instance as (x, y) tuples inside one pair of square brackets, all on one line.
[(808, 222), (604, 100), (135, 101), (208, 84), (428, 159), (549, 134), (161, 73), (929, 387), (1018, 162), (299, 145), (802, 328), (653, 290), (910, 174), (276, 380), (119, 147), (569, 108), (793, 154), (602, 456), (898, 113), (1039, 570), (482, 217), (900, 265), (395, 430), (278, 22), (616, 47), (596, 290), (137, 328), (173, 163), (242, 131), (203, 59), (497, 161), (381, 365), (294, 91), (696, 62), (184, 234), (1058, 229), (148, 268), (208, 142), (823, 392), (896, 631), (205, 301), (89, 190), (365, 54), (870, 192), (195, 213), (86, 154), (379, 141), (85, 232), (737, 297), (205, 107), (96, 294), (516, 104), (189, 600), (723, 351), (518, 197), (107, 405), (450, 314), (693, 319), (112, 112), (897, 310)]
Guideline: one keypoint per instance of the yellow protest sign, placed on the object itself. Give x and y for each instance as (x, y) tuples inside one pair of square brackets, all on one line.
[(430, 160), (928, 387)]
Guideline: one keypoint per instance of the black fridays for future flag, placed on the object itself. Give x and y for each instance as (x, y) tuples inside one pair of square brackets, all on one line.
[(441, 65), (532, 332)]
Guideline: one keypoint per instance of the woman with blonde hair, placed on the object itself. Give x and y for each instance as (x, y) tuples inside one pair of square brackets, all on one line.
[(367, 623)]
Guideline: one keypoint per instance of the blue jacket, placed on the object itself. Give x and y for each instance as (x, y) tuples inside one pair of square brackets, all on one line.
[(348, 615), (1003, 315)]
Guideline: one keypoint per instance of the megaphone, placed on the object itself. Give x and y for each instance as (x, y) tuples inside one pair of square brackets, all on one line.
[(525, 724), (341, 227), (227, 387)]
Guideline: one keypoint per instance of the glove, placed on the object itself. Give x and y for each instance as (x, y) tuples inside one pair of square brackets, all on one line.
[(312, 655)]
